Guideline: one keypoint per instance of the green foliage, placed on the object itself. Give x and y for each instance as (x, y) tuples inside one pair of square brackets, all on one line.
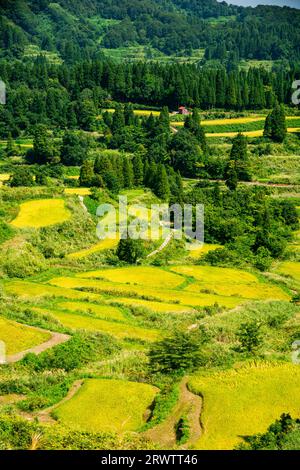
[(87, 175), (21, 176), (182, 430), (275, 125), (74, 149), (250, 337), (79, 350), (130, 250), (179, 353)]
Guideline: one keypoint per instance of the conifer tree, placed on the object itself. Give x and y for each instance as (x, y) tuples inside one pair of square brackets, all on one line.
[(275, 125), (231, 176), (164, 119), (118, 122), (162, 187), (128, 173), (239, 148), (138, 170)]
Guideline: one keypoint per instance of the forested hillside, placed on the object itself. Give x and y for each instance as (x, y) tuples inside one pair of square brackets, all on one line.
[(75, 29)]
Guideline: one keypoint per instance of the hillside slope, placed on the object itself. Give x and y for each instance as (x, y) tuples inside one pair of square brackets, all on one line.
[(74, 29)]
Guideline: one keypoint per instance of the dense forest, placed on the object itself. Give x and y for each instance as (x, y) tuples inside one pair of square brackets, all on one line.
[(62, 96), (74, 29)]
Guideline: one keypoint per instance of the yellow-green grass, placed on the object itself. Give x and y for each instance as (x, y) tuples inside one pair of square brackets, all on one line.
[(106, 312), (230, 282), (19, 337), (103, 405), (165, 295), (78, 191), (145, 275), (160, 307), (245, 401), (27, 290), (41, 213), (202, 251), (76, 321), (107, 244), (290, 268)]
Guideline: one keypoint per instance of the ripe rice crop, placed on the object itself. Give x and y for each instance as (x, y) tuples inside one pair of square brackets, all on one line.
[(164, 295), (206, 248), (145, 275), (41, 213), (78, 191), (160, 307), (26, 289), (290, 268), (19, 337), (103, 405), (245, 401), (230, 282), (100, 311), (107, 244), (76, 321)]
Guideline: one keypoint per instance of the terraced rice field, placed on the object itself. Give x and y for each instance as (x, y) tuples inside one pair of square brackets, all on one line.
[(105, 312), (230, 282), (290, 268), (77, 321), (113, 406), (144, 275), (41, 213), (258, 393), (159, 307), (107, 244), (19, 337), (202, 251), (164, 295), (3, 178), (77, 191), (28, 290)]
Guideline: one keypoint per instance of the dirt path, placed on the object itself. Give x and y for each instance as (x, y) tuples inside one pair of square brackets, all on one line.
[(56, 338), (81, 202), (162, 246), (188, 405), (44, 416)]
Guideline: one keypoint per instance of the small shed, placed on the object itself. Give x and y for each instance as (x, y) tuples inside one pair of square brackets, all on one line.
[(183, 110)]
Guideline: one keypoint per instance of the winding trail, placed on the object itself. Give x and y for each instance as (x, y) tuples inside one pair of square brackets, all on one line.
[(44, 416), (188, 405), (81, 202), (162, 246), (56, 338)]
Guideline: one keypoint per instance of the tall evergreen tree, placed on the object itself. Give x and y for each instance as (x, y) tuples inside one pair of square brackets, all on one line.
[(162, 187), (138, 170), (128, 173), (275, 125), (118, 122)]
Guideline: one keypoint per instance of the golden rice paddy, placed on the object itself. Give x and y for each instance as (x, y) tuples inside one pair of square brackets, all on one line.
[(107, 244), (145, 275), (244, 402), (41, 213), (19, 337), (103, 405)]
